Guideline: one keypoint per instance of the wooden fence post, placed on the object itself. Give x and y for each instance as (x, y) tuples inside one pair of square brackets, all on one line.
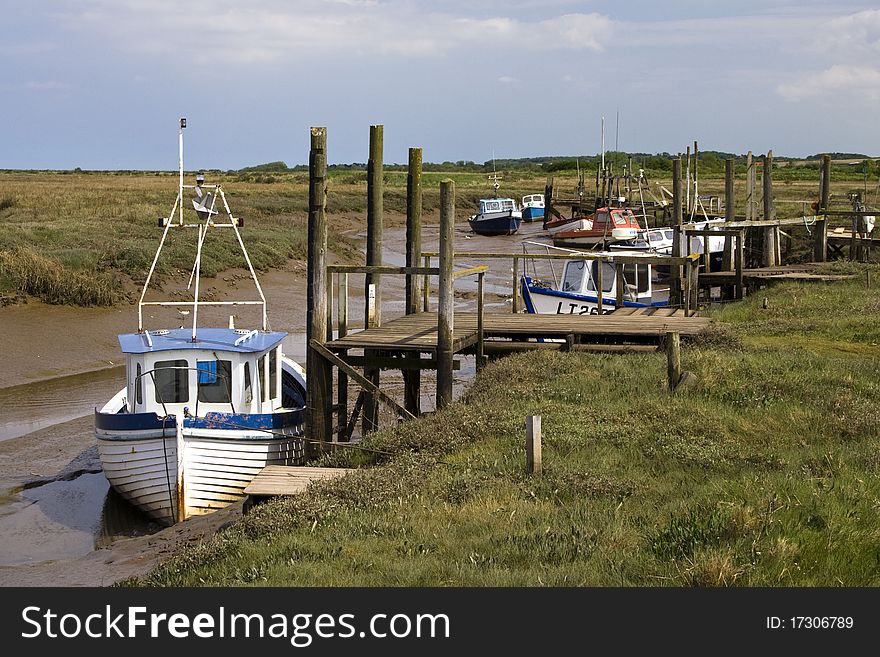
[(673, 360), (413, 378), (318, 372), (675, 291), (534, 461), (372, 282), (446, 302), (770, 232)]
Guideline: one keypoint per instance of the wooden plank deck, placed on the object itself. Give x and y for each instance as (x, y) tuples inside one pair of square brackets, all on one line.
[(803, 272), (419, 332), (289, 480)]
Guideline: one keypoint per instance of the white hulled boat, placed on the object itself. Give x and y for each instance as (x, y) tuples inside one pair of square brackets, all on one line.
[(204, 409)]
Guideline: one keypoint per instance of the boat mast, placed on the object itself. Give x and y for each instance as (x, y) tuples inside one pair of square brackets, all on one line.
[(180, 190)]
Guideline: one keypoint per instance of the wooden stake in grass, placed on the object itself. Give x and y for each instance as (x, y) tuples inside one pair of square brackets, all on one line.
[(534, 463), (673, 360)]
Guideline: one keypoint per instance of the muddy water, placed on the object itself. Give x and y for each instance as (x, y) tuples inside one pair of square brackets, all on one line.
[(27, 408)]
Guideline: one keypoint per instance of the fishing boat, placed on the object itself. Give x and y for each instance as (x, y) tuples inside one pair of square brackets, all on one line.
[(532, 207), (203, 409), (577, 292), (497, 216), (607, 225), (568, 223), (655, 240)]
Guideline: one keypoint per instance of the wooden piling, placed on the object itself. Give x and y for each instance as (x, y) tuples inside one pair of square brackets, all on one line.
[(318, 371), (770, 232), (412, 378), (534, 460), (342, 434), (619, 284), (820, 228), (729, 213), (372, 282), (673, 360), (446, 301), (675, 271), (740, 263), (751, 202)]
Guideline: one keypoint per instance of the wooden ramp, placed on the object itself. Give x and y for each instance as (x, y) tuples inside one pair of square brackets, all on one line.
[(289, 480)]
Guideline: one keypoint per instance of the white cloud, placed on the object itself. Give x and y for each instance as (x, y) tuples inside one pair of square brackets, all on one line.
[(46, 85), (506, 79), (228, 31), (855, 34), (863, 81)]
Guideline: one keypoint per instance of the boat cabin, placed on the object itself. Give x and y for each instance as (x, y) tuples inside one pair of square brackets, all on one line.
[(533, 201), (584, 276), (225, 370), (492, 205)]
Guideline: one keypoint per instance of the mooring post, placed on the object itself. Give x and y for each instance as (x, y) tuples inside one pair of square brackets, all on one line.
[(373, 289), (534, 460), (515, 284), (318, 371), (446, 301), (620, 284), (750, 187), (548, 200), (342, 434), (412, 379), (673, 359), (770, 232), (740, 262), (729, 213), (675, 291), (820, 228)]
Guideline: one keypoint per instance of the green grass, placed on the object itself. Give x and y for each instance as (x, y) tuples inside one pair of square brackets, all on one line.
[(764, 474)]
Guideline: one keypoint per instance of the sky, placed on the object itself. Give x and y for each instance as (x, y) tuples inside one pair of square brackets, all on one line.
[(100, 84)]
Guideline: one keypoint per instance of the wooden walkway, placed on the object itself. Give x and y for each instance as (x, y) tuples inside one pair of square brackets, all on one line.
[(803, 272), (418, 332), (289, 480)]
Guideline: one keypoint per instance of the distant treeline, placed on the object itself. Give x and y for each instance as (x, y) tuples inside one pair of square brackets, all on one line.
[(709, 162)]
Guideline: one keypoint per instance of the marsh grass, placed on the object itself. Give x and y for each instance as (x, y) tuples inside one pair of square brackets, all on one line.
[(764, 474)]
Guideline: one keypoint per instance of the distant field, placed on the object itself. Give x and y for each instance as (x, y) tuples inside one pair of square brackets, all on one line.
[(87, 238)]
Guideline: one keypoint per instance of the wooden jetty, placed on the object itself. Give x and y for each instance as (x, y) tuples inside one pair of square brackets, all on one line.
[(287, 480), (426, 339)]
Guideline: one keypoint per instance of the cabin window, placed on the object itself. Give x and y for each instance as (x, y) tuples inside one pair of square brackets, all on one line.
[(215, 381), (248, 388), (261, 372), (574, 276), (171, 381), (273, 373), (494, 205), (138, 386), (619, 219), (608, 275), (667, 234)]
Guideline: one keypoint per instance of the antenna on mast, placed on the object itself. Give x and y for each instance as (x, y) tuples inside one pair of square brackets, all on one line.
[(494, 177), (180, 139)]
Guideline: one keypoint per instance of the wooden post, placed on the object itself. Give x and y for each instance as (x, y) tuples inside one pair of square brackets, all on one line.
[(820, 228), (769, 242), (740, 262), (619, 284), (426, 287), (673, 360), (318, 372), (598, 281), (750, 187), (372, 282), (675, 291), (515, 284), (548, 200), (729, 213), (534, 461), (412, 379), (480, 321), (687, 175), (446, 303), (342, 434)]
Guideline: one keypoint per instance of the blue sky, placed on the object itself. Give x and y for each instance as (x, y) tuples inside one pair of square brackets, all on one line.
[(100, 84)]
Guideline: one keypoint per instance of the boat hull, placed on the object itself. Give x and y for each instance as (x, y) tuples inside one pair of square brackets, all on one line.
[(545, 300), (576, 223), (142, 457), (532, 214), (506, 223)]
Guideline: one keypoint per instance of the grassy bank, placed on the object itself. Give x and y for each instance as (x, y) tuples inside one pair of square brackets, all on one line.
[(765, 473)]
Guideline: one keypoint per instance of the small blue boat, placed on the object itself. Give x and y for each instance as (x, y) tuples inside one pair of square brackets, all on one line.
[(497, 216), (533, 207)]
